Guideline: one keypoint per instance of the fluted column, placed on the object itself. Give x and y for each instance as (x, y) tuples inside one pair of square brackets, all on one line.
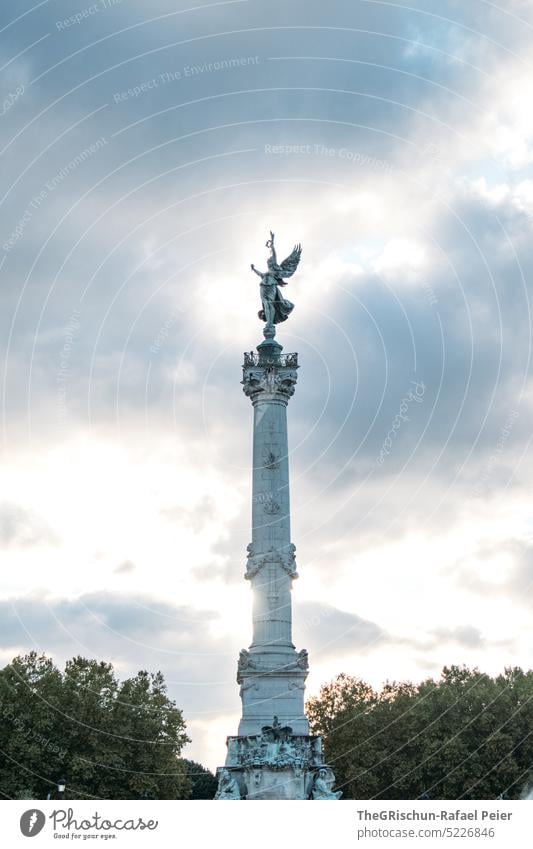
[(271, 672)]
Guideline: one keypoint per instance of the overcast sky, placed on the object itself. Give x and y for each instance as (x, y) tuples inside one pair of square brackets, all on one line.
[(147, 150)]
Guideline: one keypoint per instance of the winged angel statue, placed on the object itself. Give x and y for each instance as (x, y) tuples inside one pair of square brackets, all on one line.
[(276, 308)]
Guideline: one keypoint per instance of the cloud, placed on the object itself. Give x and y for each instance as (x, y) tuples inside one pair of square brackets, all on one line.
[(465, 636), (327, 631), (504, 571), (125, 567), (20, 527)]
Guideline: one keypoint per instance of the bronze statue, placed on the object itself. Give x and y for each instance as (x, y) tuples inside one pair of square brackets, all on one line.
[(276, 308)]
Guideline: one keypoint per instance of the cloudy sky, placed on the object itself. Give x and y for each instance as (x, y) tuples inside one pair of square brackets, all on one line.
[(147, 149)]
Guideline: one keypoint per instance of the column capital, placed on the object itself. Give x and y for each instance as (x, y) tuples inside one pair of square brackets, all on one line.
[(269, 375)]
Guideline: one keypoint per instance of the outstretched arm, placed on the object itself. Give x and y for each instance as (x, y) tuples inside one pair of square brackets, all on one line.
[(270, 244), (256, 271), (272, 248)]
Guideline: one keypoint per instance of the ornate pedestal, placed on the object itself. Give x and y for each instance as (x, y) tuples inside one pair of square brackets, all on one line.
[(276, 764)]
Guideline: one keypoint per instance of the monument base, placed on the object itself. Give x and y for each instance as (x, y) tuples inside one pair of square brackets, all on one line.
[(264, 782), (275, 764)]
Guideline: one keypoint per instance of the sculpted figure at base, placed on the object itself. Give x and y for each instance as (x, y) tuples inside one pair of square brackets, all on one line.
[(276, 308), (227, 786), (323, 785)]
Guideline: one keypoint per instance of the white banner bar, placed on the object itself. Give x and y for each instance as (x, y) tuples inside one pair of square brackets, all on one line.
[(269, 825)]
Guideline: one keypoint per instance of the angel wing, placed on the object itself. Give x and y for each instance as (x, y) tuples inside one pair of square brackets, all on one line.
[(289, 265)]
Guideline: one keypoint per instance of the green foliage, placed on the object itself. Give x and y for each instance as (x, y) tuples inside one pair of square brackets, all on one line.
[(465, 736), (204, 783), (109, 739)]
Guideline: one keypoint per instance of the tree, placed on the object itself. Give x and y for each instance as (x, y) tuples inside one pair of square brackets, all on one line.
[(464, 736), (204, 783), (109, 739)]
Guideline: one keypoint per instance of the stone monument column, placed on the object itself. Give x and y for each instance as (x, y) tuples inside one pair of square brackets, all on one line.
[(273, 756), (271, 673)]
